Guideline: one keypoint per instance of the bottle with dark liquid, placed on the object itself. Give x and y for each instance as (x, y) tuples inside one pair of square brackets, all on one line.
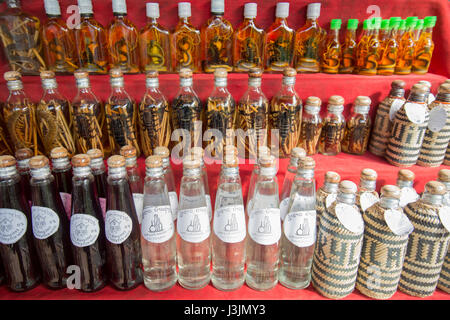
[(87, 227), (62, 171), (23, 157), (123, 245), (311, 126), (99, 172), (333, 127), (16, 239), (357, 128), (50, 225)]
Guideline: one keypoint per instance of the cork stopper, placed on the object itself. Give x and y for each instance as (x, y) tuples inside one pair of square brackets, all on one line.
[(81, 74), (444, 88), (398, 84), (116, 161), (390, 191), (185, 73), (332, 177), (347, 186), (81, 160), (313, 101), (153, 162), (419, 89), (425, 83), (95, 153), (336, 101), (47, 74), (255, 73), (363, 101), (115, 73), (368, 174), (298, 153), (406, 175), (58, 153), (191, 162), (267, 161), (24, 154), (435, 187), (12, 75), (306, 163), (151, 74), (220, 73), (289, 72), (38, 162), (7, 161), (162, 152), (128, 152), (444, 175)]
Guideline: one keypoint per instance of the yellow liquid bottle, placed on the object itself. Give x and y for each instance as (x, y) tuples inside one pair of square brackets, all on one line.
[(368, 60), (406, 48), (389, 49), (348, 59), (331, 57), (361, 47), (424, 47)]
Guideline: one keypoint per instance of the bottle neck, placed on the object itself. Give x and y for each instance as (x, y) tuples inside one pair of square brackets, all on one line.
[(153, 173), (12, 4), (312, 110), (86, 16), (433, 199), (230, 173), (117, 173), (443, 97), (119, 15), (186, 83), (281, 21), (192, 172), (217, 15), (53, 16), (267, 172), (41, 173), (313, 21), (348, 198), (305, 174), (393, 33), (117, 84), (367, 185), (152, 83), (152, 21), (351, 34), (404, 183), (334, 35), (61, 164), (97, 166), (185, 20), (220, 83), (8, 172), (288, 83), (389, 203), (82, 172), (417, 97), (254, 83), (249, 21), (83, 84), (397, 92), (331, 187), (364, 110)]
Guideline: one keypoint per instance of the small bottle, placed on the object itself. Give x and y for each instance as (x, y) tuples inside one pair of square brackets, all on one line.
[(100, 178), (62, 171), (50, 225), (348, 60), (299, 229), (309, 41), (361, 47), (332, 54), (87, 227), (357, 128), (186, 41), (23, 157), (384, 117), (91, 41), (401, 30), (217, 40), (154, 43), (444, 278), (423, 49), (123, 246), (405, 181), (248, 42), (18, 114), (367, 194), (279, 41), (369, 54), (262, 150), (333, 127), (428, 243), (58, 41), (228, 239), (383, 35), (264, 229), (285, 115), (134, 178), (158, 239), (311, 126), (406, 48), (164, 154), (199, 153), (389, 49), (418, 29), (326, 194), (193, 228), (123, 40), (16, 238), (253, 109)]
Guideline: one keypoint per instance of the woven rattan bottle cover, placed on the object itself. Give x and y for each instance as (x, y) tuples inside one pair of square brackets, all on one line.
[(444, 279), (327, 193)]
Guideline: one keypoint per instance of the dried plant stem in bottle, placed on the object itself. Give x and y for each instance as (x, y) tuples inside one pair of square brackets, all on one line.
[(5, 148), (311, 126), (357, 128), (333, 127)]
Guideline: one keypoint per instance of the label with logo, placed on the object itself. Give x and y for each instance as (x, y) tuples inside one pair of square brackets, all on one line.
[(157, 224), (415, 112), (118, 226), (103, 206), (438, 118), (173, 198), (66, 199), (45, 222), (367, 199), (193, 224), (139, 205), (395, 106), (84, 230), (300, 228), (209, 206), (444, 216), (398, 222), (350, 218), (229, 224), (264, 226), (408, 195), (13, 225), (284, 206)]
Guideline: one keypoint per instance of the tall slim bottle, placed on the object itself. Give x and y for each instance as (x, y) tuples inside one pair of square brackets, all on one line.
[(62, 171), (100, 177), (423, 49), (406, 48), (389, 49), (348, 60), (357, 127), (164, 154), (23, 157), (326, 194), (311, 126), (262, 150), (369, 53), (332, 53), (199, 154)]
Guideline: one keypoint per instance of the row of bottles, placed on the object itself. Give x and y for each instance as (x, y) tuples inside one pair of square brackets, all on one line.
[(90, 46)]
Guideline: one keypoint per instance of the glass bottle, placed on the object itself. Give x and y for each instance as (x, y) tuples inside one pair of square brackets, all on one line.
[(62, 171), (418, 29), (361, 47), (285, 115), (383, 35), (16, 238), (253, 115), (406, 48), (429, 96), (193, 228), (100, 178), (53, 118), (50, 225), (164, 154), (357, 128), (154, 118), (186, 41), (21, 39), (199, 153), (279, 41), (389, 49), (327, 193), (332, 53), (121, 115), (23, 157), (228, 239), (367, 194), (58, 41), (158, 239), (123, 246), (87, 227), (18, 113), (401, 30), (91, 41), (333, 127), (5, 143), (405, 181), (264, 229), (248, 43), (311, 126), (369, 54), (154, 43), (423, 49), (123, 40), (262, 150), (349, 45), (299, 229)]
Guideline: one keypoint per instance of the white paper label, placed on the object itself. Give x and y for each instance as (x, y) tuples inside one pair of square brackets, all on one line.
[(13, 225), (66, 199), (103, 206), (193, 224), (118, 226), (139, 205), (444, 215), (45, 222), (438, 118), (350, 218), (330, 199), (173, 198), (264, 226), (84, 230), (300, 228), (284, 204), (395, 106), (398, 222), (229, 224), (430, 98), (407, 195), (209, 206), (368, 199), (415, 112), (157, 224)]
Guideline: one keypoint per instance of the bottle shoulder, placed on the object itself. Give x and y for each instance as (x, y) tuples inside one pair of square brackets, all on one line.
[(244, 27), (277, 27), (154, 28), (90, 23), (121, 24)]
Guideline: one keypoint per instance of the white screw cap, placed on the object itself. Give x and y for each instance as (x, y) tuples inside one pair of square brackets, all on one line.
[(217, 6), (52, 7), (119, 6), (152, 9), (85, 6), (313, 11), (282, 10), (250, 10), (184, 9)]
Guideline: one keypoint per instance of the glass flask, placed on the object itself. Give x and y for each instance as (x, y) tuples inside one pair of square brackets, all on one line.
[(406, 48), (389, 49), (423, 49), (332, 52), (333, 127)]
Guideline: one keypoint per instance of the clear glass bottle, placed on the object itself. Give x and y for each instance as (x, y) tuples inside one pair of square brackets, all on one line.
[(405, 181), (158, 238), (87, 227), (357, 127), (62, 171), (23, 157), (332, 53), (311, 126), (367, 194), (333, 127), (389, 49), (349, 45), (199, 154), (193, 228), (327, 193), (406, 48), (262, 150), (423, 50), (369, 54), (100, 178), (123, 245), (264, 229), (164, 154), (299, 229)]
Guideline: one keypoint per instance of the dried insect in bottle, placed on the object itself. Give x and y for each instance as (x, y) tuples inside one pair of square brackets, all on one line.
[(357, 128), (332, 55), (367, 194), (333, 127), (23, 157), (311, 126), (424, 47), (327, 193), (348, 60), (406, 48), (389, 49)]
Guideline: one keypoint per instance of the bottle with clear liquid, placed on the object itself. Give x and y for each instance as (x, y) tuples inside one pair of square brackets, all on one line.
[(262, 150), (164, 154), (158, 238), (264, 229), (405, 181), (228, 238), (199, 154), (367, 195), (62, 171), (193, 228), (299, 229), (100, 178), (23, 157)]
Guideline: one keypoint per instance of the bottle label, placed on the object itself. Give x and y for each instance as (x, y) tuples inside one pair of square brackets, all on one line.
[(173, 198), (430, 98), (13, 225), (367, 199), (67, 202), (264, 226), (408, 195), (300, 228), (350, 217), (193, 224), (395, 106), (330, 199), (444, 216), (438, 118), (157, 224), (139, 205), (84, 230), (118, 226), (398, 222), (415, 112), (45, 222), (209, 206), (103, 206), (229, 223), (284, 204)]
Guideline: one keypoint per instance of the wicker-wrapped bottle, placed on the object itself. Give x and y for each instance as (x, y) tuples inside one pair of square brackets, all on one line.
[(338, 247), (428, 243), (367, 194), (408, 129), (357, 127), (333, 127), (327, 193), (384, 245), (405, 181), (385, 115), (444, 279)]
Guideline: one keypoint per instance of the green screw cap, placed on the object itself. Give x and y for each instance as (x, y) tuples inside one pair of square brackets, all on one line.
[(411, 22), (376, 23), (366, 24), (402, 25), (352, 24), (384, 24), (429, 22), (394, 22), (419, 24), (335, 24)]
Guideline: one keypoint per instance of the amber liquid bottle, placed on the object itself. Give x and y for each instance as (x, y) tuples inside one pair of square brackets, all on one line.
[(23, 157), (370, 51), (62, 171), (357, 128), (100, 178), (311, 126), (406, 48), (332, 56), (16, 239), (424, 47), (361, 47), (333, 127), (348, 60), (389, 49), (5, 148)]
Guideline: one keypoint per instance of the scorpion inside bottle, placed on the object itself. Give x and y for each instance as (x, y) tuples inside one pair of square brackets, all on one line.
[(357, 128), (311, 126), (333, 127)]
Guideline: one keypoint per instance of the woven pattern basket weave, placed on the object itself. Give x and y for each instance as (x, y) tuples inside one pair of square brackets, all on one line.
[(447, 156), (381, 130), (444, 279)]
